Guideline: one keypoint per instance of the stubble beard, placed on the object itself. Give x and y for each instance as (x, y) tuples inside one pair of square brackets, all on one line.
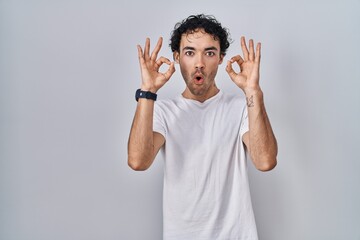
[(195, 89)]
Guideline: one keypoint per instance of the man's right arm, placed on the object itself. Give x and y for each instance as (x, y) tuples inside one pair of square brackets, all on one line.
[(144, 143)]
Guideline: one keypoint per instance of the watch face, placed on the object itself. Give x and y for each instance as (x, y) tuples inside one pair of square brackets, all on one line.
[(143, 94)]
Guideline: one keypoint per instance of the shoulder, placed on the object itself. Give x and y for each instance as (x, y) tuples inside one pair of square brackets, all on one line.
[(166, 106), (166, 103), (233, 99)]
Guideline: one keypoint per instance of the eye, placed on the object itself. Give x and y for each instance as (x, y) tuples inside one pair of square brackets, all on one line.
[(189, 53), (210, 54)]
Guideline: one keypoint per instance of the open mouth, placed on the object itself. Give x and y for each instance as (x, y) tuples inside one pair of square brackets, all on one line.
[(199, 80)]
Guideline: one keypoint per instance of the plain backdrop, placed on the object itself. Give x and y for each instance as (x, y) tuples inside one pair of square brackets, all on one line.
[(69, 71)]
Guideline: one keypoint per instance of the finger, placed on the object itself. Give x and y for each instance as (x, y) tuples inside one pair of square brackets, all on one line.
[(156, 49), (258, 53), (160, 62), (170, 71), (140, 55), (147, 49), (251, 50), (237, 59), (244, 49), (229, 69)]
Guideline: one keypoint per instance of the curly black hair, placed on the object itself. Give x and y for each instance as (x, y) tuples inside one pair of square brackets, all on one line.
[(195, 22)]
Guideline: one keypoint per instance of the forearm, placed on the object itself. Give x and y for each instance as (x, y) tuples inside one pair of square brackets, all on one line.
[(141, 139), (262, 142)]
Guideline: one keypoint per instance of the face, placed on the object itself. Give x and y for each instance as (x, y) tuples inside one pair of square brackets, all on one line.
[(199, 58)]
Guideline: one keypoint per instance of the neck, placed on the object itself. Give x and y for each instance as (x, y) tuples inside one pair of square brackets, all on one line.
[(200, 97)]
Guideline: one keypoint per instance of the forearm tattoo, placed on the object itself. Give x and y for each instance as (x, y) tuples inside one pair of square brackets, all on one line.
[(250, 101)]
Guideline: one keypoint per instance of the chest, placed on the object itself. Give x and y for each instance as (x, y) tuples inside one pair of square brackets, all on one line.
[(204, 128)]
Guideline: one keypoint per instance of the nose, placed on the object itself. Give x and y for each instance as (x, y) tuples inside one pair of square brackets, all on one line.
[(200, 64)]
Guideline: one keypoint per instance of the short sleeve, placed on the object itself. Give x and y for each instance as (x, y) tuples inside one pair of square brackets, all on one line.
[(159, 120), (244, 122)]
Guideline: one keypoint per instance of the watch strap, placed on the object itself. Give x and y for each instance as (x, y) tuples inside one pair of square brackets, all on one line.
[(145, 94)]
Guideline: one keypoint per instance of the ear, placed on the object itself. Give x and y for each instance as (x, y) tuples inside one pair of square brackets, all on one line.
[(221, 58), (176, 56)]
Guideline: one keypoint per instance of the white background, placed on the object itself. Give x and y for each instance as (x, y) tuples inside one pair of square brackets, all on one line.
[(69, 71)]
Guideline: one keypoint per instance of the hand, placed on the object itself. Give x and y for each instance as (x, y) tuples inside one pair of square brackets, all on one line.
[(248, 77), (152, 79)]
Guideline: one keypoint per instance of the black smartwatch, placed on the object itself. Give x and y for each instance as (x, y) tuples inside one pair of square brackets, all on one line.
[(145, 94)]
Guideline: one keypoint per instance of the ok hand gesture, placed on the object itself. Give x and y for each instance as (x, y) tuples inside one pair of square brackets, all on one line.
[(152, 79), (248, 77)]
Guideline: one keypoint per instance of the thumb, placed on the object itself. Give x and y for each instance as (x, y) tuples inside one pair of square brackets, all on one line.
[(170, 71), (229, 69)]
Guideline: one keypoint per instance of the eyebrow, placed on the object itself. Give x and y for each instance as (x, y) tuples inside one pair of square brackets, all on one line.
[(188, 48), (211, 48), (206, 49)]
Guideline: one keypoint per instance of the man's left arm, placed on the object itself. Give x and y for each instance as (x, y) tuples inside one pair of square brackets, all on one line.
[(260, 139)]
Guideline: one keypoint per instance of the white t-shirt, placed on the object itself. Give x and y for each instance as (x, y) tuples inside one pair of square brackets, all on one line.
[(206, 191)]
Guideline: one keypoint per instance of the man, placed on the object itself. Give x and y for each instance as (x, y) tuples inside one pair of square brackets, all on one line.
[(204, 133)]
